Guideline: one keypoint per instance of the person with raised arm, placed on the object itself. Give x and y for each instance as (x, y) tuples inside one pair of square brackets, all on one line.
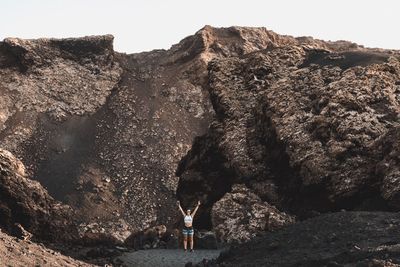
[(187, 230)]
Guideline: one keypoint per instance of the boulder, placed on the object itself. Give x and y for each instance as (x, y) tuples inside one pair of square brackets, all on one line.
[(241, 215)]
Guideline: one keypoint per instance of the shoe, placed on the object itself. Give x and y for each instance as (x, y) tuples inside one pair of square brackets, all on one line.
[(191, 250), (185, 250)]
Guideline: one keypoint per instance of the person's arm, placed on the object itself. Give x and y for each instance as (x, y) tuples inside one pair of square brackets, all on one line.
[(195, 210), (180, 208)]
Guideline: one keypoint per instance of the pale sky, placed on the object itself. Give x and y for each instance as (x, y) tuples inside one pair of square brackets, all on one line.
[(152, 24)]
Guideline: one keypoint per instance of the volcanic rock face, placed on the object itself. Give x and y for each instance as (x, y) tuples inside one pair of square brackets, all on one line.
[(60, 77), (161, 105), (51, 91), (104, 131), (26, 206), (306, 126)]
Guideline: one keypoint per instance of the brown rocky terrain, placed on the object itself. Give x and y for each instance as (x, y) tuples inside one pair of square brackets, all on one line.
[(301, 127), (16, 252), (264, 129), (103, 131)]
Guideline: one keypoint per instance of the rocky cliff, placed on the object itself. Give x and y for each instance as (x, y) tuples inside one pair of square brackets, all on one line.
[(285, 127), (103, 131), (305, 128)]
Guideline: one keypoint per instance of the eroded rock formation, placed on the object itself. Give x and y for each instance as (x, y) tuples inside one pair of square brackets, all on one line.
[(103, 131), (305, 126), (26, 206)]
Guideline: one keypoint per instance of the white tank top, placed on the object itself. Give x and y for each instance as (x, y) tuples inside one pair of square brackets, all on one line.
[(188, 219)]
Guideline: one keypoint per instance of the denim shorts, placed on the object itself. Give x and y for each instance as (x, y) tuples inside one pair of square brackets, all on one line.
[(187, 230)]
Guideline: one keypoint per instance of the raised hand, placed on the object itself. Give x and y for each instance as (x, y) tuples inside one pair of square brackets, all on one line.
[(180, 208)]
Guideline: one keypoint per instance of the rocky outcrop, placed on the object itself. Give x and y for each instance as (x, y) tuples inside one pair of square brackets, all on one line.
[(51, 91), (327, 120), (241, 215), (306, 127), (337, 239), (42, 52), (25, 206), (90, 131), (59, 76), (209, 43), (161, 105)]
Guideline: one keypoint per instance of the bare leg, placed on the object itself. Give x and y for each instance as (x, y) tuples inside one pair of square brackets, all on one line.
[(185, 242), (191, 242)]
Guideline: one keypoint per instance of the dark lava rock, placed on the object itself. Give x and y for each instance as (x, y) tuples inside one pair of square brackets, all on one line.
[(241, 215), (302, 128), (337, 239), (99, 239)]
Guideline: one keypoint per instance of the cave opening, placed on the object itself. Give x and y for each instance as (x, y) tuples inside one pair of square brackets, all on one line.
[(205, 175)]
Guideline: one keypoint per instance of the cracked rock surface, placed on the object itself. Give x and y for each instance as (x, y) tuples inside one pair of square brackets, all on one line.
[(309, 128)]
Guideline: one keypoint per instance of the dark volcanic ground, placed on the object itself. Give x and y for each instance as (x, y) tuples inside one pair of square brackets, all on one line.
[(337, 239)]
